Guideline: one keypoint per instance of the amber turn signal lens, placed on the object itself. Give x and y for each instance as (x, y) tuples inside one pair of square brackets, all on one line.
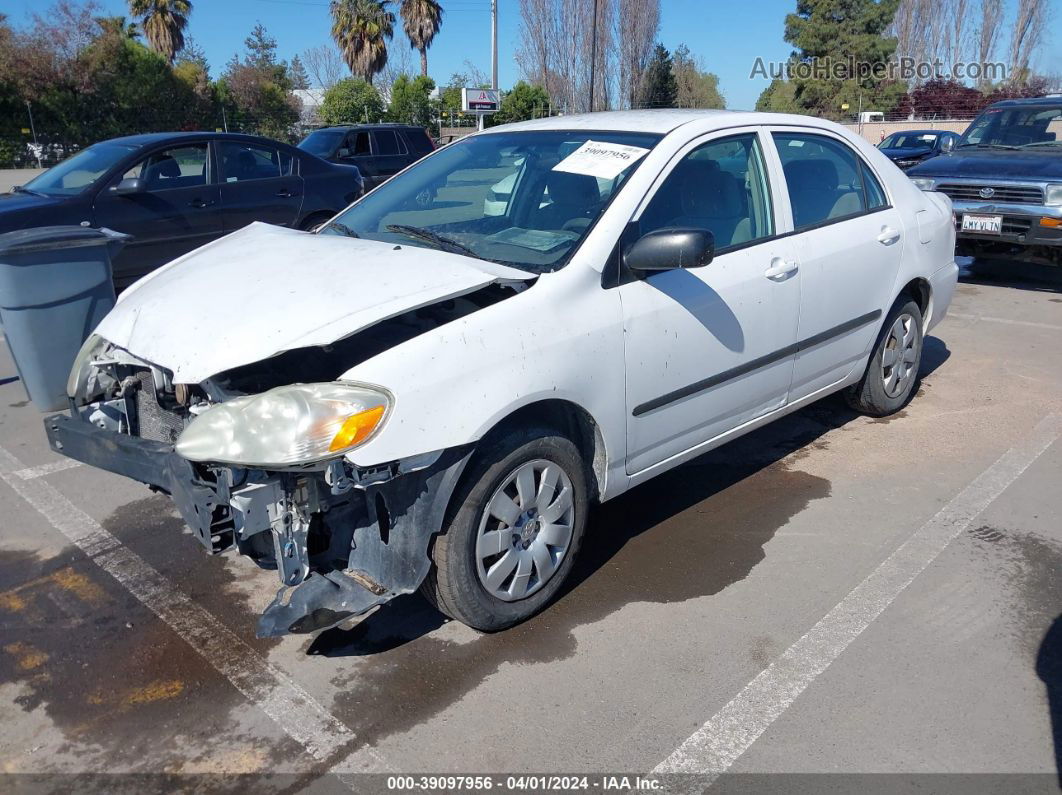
[(1053, 223), (356, 428)]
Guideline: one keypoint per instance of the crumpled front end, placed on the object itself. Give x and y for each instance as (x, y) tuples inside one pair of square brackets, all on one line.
[(342, 539)]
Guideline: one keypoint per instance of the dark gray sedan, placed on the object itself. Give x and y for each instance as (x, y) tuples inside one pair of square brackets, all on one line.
[(173, 192)]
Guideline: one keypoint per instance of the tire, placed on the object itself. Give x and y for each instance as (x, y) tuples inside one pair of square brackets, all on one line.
[(467, 575), (885, 389), (310, 221)]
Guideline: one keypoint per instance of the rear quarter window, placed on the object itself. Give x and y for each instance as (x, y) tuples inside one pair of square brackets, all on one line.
[(418, 141)]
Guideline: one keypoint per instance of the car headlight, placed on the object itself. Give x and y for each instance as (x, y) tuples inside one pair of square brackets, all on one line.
[(924, 183), (1053, 195), (91, 349), (286, 426)]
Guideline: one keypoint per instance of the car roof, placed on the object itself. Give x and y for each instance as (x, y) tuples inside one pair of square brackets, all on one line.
[(386, 124), (923, 132), (144, 139), (659, 121), (1050, 100)]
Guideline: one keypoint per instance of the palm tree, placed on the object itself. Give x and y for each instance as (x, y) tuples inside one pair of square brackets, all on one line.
[(361, 28), (421, 20), (163, 22)]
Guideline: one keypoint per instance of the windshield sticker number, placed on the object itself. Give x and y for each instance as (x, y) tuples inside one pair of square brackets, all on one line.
[(600, 159)]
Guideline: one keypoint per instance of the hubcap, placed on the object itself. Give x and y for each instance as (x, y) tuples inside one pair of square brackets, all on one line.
[(525, 530), (899, 360)]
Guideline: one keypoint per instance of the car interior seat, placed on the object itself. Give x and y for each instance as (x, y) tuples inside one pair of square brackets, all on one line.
[(574, 198), (160, 171)]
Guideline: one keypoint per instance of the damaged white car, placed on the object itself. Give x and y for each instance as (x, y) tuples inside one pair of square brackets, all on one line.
[(433, 394)]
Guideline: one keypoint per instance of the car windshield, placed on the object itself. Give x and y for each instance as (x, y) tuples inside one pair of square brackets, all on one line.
[(908, 141), (525, 199), (321, 143), (1016, 127), (76, 173)]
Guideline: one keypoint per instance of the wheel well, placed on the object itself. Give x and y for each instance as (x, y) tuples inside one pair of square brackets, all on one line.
[(918, 289), (576, 424), (315, 217)]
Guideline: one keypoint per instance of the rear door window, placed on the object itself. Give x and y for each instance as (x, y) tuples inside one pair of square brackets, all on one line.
[(387, 143), (827, 181), (244, 162)]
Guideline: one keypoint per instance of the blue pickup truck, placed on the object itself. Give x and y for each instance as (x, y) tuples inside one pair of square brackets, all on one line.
[(1004, 177)]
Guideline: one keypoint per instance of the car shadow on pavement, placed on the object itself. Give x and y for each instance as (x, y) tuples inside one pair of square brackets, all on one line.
[(1013, 274), (1049, 669), (689, 533)]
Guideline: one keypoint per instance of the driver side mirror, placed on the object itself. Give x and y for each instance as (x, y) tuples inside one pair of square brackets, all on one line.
[(947, 145), (128, 185), (671, 248), (343, 152)]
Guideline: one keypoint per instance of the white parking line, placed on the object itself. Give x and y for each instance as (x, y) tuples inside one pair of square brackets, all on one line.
[(713, 748), (290, 706), (29, 473), (1006, 320)]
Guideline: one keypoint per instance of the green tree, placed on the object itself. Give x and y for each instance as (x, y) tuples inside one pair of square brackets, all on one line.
[(118, 26), (523, 101), (361, 29), (351, 100), (163, 22), (695, 88), (840, 48), (256, 91), (411, 101), (659, 89), (778, 97), (421, 20), (300, 80)]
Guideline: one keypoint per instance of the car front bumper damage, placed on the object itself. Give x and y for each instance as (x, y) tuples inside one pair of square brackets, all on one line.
[(343, 540)]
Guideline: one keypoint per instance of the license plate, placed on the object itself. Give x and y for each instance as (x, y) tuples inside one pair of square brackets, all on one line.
[(986, 224)]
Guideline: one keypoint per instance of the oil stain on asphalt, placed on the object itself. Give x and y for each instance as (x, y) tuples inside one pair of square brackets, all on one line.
[(691, 533), (118, 683)]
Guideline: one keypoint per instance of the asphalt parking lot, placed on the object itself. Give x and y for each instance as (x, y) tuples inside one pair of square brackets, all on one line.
[(830, 594)]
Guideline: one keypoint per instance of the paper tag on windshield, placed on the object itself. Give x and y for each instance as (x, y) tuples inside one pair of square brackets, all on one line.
[(599, 159)]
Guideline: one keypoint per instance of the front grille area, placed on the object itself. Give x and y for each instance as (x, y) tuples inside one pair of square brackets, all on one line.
[(1001, 194), (152, 420)]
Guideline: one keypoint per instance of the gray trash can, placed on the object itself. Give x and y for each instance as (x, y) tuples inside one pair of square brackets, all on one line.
[(55, 287)]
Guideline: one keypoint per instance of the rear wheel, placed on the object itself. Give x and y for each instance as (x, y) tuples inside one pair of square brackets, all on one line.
[(892, 371), (513, 533)]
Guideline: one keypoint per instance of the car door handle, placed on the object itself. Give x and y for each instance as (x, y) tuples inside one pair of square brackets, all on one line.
[(780, 269), (200, 203), (888, 236), (286, 194)]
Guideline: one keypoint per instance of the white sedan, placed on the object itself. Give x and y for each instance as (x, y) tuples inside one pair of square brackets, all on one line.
[(434, 394)]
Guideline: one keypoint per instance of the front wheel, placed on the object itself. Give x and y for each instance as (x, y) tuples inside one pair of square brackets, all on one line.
[(892, 371), (512, 538)]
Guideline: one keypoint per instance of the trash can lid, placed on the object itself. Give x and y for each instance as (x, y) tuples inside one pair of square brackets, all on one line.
[(50, 238)]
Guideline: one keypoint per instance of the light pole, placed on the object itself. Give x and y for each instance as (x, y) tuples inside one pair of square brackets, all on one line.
[(494, 44), (33, 130)]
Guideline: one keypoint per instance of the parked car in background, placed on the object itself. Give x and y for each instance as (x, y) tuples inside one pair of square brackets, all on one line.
[(910, 147), (173, 192), (1004, 178), (447, 391), (378, 150)]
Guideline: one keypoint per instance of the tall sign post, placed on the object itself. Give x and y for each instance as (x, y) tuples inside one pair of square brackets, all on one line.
[(481, 101)]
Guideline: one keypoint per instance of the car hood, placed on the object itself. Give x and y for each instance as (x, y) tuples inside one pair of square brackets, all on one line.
[(265, 289), (1036, 166), (13, 202), (906, 154)]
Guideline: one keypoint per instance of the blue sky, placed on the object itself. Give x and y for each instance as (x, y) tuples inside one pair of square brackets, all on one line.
[(728, 36)]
